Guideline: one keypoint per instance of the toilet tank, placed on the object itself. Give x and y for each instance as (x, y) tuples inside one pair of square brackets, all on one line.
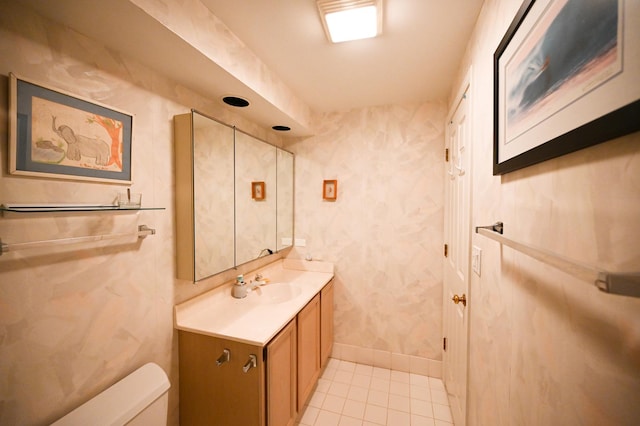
[(139, 399)]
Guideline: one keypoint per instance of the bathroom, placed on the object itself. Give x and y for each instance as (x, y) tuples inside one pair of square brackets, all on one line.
[(543, 347)]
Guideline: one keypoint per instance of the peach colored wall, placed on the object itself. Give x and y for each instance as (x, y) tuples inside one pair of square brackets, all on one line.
[(384, 231), (547, 348), (75, 320)]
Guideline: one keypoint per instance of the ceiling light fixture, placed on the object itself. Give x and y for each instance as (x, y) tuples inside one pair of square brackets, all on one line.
[(345, 20), (235, 101)]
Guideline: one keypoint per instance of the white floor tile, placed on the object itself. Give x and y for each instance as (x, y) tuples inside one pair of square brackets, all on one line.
[(354, 409), (347, 366), (421, 408), (362, 380), (398, 418), (327, 418), (418, 380), (339, 389), (317, 399), (323, 385), (417, 420), (310, 415), (333, 403), (442, 412), (398, 388), (378, 398), (349, 421), (343, 376), (375, 414), (379, 384), (439, 397), (357, 393), (400, 403), (352, 394), (423, 394)]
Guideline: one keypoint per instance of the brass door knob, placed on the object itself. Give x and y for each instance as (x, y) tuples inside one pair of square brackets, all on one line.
[(460, 299)]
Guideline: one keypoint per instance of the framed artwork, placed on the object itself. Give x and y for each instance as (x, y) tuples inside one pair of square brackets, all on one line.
[(330, 190), (54, 134), (258, 191), (565, 78)]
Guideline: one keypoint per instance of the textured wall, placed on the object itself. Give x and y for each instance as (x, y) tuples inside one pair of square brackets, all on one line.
[(384, 232), (547, 348), (74, 320)]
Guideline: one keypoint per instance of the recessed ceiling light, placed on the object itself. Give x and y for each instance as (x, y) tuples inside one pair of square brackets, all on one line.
[(281, 128), (235, 101), (345, 20)]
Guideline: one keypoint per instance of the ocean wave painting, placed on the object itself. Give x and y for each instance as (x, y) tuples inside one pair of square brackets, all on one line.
[(570, 52)]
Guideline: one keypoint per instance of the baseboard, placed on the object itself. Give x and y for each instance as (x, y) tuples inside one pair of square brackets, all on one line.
[(390, 360)]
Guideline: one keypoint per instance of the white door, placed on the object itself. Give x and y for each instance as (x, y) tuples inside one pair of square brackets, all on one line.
[(456, 264)]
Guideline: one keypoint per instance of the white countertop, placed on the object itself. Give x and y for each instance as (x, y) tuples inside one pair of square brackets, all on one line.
[(255, 319)]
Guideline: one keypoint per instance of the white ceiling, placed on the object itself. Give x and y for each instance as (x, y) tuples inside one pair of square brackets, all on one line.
[(414, 60)]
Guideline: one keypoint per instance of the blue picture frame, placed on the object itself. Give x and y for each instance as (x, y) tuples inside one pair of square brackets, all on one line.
[(53, 134)]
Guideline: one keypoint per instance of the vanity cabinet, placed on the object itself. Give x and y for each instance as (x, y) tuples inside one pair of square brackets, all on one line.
[(215, 390), (326, 323), (308, 349), (282, 377)]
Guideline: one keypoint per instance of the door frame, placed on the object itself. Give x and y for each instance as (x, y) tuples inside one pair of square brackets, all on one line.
[(464, 90)]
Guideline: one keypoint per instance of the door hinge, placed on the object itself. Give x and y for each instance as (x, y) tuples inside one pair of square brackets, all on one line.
[(446, 155), (446, 250), (444, 344)]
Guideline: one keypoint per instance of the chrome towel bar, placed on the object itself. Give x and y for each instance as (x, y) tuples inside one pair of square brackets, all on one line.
[(143, 231), (625, 284)]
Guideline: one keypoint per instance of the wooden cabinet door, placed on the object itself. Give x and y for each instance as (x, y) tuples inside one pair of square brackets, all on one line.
[(308, 349), (219, 395), (326, 323), (282, 378)]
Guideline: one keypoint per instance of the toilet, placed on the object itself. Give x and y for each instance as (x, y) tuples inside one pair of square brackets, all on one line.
[(140, 399)]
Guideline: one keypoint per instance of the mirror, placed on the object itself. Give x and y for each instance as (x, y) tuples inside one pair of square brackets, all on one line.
[(284, 203), (213, 193), (234, 197), (255, 198)]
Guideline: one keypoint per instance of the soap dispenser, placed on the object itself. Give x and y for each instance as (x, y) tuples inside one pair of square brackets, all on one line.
[(239, 289)]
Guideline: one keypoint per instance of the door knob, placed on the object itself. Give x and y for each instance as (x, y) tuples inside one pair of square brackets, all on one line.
[(460, 299)]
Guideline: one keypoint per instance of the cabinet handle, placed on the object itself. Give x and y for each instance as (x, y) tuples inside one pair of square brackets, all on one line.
[(226, 354), (253, 362)]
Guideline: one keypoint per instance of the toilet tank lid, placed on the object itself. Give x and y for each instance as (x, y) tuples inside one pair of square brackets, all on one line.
[(122, 401)]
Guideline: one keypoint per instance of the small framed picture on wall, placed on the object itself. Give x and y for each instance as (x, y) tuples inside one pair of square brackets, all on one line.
[(258, 192), (330, 190)]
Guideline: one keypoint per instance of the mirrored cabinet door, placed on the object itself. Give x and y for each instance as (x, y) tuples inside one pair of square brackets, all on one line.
[(213, 193), (284, 210), (255, 198)]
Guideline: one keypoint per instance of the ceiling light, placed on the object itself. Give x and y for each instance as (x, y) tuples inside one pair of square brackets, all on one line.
[(345, 20), (235, 101)]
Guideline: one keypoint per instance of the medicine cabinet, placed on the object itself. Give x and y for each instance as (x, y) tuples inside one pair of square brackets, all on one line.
[(234, 196)]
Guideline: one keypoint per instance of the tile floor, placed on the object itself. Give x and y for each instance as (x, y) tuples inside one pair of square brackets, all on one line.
[(350, 394)]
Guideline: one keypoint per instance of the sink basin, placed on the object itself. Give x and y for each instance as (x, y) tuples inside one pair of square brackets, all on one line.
[(277, 292)]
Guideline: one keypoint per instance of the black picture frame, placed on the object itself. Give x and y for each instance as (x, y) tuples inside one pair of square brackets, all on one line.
[(611, 107), (53, 134)]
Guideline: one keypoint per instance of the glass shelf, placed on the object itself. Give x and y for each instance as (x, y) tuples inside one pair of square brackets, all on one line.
[(69, 208)]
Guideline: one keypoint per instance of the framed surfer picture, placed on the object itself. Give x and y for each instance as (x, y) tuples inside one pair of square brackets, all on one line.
[(565, 77)]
